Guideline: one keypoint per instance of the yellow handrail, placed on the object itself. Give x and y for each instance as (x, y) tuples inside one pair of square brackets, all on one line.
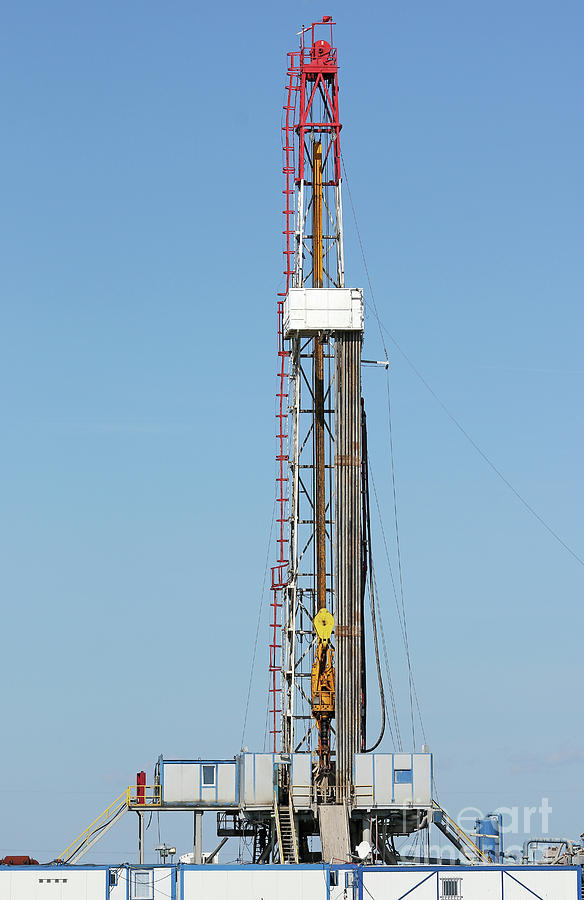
[(278, 831), (293, 827), (117, 805), (129, 798), (151, 795), (463, 835)]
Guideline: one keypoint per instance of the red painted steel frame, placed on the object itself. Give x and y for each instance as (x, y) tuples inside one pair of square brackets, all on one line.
[(312, 73)]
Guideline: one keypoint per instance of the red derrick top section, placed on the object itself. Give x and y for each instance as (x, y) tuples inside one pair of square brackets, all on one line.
[(313, 74), (317, 53)]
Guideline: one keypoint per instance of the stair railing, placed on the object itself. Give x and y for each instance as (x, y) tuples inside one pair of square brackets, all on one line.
[(278, 828), (293, 828)]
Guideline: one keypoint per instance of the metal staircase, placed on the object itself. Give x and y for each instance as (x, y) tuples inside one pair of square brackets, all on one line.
[(137, 797), (98, 828), (286, 831), (457, 836)]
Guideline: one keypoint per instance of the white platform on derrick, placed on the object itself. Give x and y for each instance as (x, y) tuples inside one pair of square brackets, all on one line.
[(308, 311)]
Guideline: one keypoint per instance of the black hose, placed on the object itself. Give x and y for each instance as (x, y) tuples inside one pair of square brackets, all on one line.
[(373, 616), (378, 663)]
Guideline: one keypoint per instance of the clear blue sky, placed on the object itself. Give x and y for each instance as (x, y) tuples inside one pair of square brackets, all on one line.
[(141, 251)]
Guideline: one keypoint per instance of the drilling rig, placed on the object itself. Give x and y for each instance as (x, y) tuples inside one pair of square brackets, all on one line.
[(320, 329), (319, 792), (317, 649)]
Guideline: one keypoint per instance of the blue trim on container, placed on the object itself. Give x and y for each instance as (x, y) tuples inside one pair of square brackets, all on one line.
[(130, 868), (257, 867), (200, 801), (104, 867), (176, 873), (56, 868), (199, 762), (419, 884), (523, 886), (132, 872), (484, 868), (249, 765)]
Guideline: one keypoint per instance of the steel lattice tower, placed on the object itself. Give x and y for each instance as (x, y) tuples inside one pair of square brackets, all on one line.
[(319, 434)]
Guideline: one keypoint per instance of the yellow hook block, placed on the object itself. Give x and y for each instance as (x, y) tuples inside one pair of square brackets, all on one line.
[(323, 624)]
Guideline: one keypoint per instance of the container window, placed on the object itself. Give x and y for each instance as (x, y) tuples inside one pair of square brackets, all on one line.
[(451, 888), (142, 885), (209, 776), (403, 776)]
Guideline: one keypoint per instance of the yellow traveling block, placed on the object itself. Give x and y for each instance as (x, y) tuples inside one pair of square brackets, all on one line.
[(323, 624)]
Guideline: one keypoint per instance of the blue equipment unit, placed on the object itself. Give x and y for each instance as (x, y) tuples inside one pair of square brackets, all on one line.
[(489, 836)]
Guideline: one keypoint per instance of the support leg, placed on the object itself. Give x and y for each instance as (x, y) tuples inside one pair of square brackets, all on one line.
[(197, 838), (367, 830), (141, 838)]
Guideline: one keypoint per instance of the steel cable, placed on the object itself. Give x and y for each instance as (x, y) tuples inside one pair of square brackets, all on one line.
[(399, 563), (260, 609), (443, 406), (481, 452), (373, 616), (399, 743), (379, 325)]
